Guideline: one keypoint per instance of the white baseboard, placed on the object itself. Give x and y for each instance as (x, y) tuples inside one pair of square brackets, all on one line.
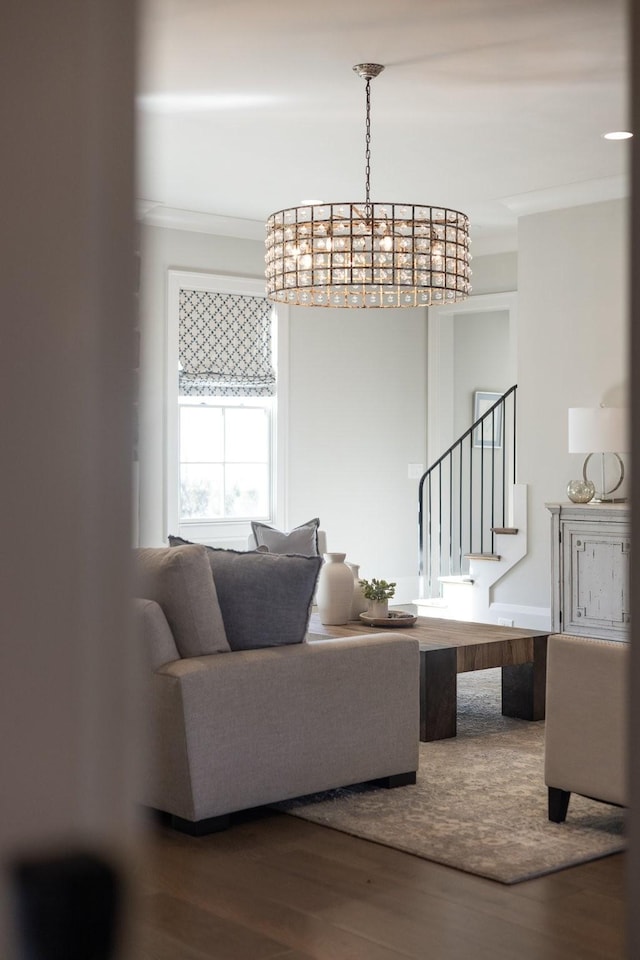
[(527, 617)]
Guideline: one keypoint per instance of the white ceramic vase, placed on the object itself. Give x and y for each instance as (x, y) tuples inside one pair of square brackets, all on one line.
[(359, 603), (335, 590)]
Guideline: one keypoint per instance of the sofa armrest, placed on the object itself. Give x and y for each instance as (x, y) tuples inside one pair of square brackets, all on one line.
[(155, 633), (586, 717), (257, 726)]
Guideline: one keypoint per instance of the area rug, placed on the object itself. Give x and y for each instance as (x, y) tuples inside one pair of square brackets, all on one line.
[(480, 803)]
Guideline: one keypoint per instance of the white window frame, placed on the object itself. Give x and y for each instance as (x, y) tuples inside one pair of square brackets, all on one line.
[(233, 533)]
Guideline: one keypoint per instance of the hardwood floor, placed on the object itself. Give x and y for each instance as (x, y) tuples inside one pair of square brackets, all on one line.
[(277, 888)]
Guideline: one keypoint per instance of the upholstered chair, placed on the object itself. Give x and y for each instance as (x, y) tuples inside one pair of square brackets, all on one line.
[(586, 721)]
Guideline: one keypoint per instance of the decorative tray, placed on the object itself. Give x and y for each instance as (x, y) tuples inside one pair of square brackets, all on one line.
[(397, 618)]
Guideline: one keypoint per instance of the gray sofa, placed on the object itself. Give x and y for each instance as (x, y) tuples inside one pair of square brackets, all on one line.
[(586, 721), (233, 729)]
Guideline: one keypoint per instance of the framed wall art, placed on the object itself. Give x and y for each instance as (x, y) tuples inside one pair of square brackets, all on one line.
[(489, 433)]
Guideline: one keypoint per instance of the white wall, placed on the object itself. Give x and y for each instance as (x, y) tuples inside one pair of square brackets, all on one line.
[(572, 351), (471, 345), (494, 273), (357, 419), (357, 410), (161, 250), (482, 343), (481, 360)]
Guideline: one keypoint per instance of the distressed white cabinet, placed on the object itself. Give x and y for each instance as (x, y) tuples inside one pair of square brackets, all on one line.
[(590, 546)]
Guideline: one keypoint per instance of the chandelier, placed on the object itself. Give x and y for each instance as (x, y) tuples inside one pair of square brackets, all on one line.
[(367, 254)]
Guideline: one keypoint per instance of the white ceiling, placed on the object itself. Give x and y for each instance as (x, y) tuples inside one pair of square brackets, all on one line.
[(493, 107)]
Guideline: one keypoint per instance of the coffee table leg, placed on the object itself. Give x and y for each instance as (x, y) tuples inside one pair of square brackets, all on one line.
[(524, 686), (438, 686)]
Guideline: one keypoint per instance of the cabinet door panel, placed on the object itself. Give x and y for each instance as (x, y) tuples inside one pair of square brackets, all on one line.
[(595, 575)]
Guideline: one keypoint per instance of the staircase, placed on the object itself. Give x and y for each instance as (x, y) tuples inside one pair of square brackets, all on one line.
[(472, 519)]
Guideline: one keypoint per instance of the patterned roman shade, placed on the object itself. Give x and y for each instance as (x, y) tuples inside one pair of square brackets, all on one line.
[(225, 345)]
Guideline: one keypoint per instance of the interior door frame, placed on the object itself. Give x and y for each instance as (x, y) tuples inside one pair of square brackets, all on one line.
[(441, 361)]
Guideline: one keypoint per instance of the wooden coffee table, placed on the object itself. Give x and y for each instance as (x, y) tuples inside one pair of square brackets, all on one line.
[(450, 647)]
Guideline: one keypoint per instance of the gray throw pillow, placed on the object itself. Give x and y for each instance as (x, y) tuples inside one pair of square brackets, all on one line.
[(302, 540), (265, 598), (179, 580)]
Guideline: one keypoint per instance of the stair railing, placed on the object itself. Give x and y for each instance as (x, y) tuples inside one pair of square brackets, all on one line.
[(462, 497)]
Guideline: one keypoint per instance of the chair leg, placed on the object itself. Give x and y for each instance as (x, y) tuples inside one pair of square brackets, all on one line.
[(558, 804)]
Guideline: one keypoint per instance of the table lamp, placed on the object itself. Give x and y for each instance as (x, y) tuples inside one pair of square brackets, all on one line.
[(600, 430)]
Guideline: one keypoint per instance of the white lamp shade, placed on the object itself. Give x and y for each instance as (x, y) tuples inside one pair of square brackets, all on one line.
[(597, 430)]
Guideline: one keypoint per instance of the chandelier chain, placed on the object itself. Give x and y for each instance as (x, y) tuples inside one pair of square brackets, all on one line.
[(367, 152)]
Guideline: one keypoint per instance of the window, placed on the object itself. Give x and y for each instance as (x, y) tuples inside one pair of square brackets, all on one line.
[(225, 461), (225, 399)]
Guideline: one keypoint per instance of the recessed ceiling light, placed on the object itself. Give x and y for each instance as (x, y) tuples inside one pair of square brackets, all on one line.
[(617, 135)]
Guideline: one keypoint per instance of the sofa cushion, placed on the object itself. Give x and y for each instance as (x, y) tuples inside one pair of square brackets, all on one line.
[(302, 540), (179, 580), (265, 598)]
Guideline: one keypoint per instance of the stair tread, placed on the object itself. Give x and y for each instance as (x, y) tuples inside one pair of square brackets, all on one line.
[(508, 530), (482, 556)]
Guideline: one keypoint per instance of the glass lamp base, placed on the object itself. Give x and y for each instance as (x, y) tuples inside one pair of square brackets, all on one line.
[(580, 491)]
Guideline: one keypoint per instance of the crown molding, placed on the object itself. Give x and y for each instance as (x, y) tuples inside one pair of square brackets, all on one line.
[(157, 215), (568, 195), (486, 242)]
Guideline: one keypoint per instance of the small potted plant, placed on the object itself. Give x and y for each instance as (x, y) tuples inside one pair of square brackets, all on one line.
[(378, 593)]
